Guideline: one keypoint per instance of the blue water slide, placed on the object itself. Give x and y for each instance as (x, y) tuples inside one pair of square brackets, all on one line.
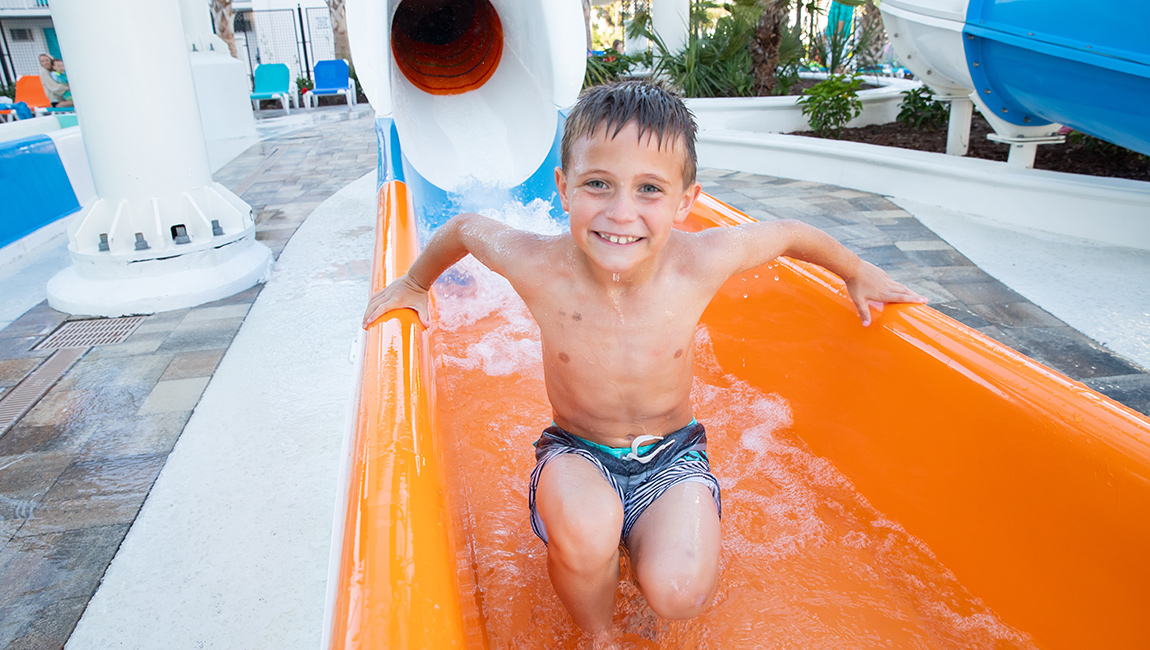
[(1085, 65), (36, 187)]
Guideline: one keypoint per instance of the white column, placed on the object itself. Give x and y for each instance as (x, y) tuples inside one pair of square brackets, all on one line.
[(671, 21), (958, 128), (160, 233)]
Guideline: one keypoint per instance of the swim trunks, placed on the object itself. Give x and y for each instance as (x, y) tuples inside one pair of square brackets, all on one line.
[(639, 475)]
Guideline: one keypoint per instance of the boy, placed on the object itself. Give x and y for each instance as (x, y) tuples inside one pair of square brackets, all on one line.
[(617, 300), (60, 76)]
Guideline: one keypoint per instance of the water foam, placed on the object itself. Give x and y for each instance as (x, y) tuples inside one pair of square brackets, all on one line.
[(806, 560)]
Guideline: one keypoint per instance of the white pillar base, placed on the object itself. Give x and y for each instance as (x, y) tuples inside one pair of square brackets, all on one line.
[(154, 286)]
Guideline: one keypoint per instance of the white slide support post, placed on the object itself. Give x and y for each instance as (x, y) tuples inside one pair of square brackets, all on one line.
[(159, 234)]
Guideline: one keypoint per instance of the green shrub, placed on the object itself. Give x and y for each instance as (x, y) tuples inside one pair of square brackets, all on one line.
[(712, 64), (607, 67), (919, 110), (831, 103), (8, 91)]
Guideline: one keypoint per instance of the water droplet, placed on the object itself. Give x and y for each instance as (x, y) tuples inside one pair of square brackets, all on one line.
[(744, 295), (776, 278), (615, 277)]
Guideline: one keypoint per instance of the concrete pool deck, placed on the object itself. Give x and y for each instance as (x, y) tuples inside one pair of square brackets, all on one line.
[(176, 490)]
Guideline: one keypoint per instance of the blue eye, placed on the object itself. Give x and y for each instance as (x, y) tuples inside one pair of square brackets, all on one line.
[(650, 188), (596, 183)]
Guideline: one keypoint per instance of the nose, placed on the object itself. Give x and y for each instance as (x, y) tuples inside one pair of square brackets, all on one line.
[(622, 209)]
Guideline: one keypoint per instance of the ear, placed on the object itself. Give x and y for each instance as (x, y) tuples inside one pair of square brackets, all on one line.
[(561, 185), (688, 202)]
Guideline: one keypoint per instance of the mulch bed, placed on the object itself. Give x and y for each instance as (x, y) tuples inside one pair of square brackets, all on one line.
[(1083, 157)]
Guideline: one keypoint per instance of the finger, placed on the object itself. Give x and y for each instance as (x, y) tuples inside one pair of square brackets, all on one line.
[(903, 294), (370, 319), (863, 307)]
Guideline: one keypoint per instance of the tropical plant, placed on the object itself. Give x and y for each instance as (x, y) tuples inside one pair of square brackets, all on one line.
[(739, 53), (870, 55), (1103, 148), (831, 103), (921, 111), (839, 50), (776, 48), (714, 64), (608, 66)]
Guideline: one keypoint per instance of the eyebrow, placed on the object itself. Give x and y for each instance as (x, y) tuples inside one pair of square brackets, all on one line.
[(646, 177)]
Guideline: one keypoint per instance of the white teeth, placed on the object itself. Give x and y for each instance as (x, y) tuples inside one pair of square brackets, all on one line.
[(614, 239)]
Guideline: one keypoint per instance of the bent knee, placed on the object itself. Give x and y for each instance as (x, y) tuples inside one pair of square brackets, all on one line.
[(680, 596), (586, 538)]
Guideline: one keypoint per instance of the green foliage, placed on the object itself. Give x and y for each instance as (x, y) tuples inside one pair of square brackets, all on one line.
[(607, 67), (717, 62), (791, 53), (8, 91), (1103, 148), (919, 110), (355, 78), (712, 64), (840, 51), (303, 83), (831, 103)]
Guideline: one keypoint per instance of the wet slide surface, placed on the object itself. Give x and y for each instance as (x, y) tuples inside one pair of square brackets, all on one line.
[(912, 484), (807, 561)]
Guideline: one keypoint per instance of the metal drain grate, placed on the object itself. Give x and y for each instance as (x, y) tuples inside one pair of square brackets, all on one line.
[(28, 392), (86, 333)]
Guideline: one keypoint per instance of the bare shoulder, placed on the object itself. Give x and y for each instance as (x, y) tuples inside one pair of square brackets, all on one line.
[(510, 252), (725, 251)]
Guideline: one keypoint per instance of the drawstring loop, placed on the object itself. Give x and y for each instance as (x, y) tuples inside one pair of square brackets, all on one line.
[(637, 442)]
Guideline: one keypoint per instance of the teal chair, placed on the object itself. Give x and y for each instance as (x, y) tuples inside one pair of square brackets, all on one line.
[(331, 78), (273, 81)]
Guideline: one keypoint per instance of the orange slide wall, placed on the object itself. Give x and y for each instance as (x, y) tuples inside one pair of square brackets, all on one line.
[(1032, 489)]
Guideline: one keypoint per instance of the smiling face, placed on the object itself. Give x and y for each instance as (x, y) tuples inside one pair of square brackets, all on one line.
[(624, 195), (45, 62)]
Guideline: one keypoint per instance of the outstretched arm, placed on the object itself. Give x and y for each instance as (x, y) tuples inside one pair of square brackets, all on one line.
[(756, 244), (487, 239)]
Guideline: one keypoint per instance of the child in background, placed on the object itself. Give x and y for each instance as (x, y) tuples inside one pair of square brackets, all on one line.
[(61, 77)]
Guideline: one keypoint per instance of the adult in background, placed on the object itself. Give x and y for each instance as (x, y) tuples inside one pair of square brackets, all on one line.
[(54, 89)]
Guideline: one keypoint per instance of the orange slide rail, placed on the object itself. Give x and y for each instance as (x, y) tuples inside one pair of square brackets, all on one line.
[(1033, 490), (397, 586)]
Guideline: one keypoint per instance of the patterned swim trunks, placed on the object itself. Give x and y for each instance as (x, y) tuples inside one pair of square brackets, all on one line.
[(639, 475)]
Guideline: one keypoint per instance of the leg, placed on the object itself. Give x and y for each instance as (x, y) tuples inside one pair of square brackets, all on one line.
[(674, 550), (583, 517)]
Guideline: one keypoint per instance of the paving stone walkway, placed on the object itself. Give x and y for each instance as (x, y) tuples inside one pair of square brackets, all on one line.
[(76, 468), (887, 236)]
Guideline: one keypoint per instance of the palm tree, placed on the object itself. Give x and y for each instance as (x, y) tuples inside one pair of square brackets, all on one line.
[(339, 29), (222, 18), (872, 34), (587, 23), (765, 45)]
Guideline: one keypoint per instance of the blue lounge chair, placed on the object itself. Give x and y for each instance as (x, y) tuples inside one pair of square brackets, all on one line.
[(273, 81), (332, 78)]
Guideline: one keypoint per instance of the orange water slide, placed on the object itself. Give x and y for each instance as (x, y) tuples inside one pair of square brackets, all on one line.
[(1032, 490)]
